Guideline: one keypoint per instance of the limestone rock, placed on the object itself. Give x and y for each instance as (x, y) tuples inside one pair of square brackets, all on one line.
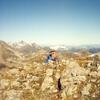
[(12, 95), (4, 83)]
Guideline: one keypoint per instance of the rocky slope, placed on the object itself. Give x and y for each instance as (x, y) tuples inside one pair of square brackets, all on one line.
[(8, 53), (76, 77), (65, 80)]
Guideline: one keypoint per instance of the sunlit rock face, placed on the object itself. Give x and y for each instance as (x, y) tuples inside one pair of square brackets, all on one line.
[(12, 95), (72, 76), (48, 81)]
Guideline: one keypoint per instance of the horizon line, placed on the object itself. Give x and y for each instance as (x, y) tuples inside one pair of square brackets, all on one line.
[(50, 44)]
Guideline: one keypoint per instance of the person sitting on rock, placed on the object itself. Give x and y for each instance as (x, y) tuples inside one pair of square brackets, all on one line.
[(52, 57)]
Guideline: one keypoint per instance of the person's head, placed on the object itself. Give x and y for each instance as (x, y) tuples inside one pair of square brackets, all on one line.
[(53, 53)]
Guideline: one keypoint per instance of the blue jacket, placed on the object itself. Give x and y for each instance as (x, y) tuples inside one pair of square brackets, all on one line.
[(49, 58)]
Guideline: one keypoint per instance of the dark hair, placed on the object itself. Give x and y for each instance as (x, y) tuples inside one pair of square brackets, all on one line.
[(52, 51), (50, 55)]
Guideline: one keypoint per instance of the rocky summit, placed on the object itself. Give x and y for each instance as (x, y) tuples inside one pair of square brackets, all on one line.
[(28, 77)]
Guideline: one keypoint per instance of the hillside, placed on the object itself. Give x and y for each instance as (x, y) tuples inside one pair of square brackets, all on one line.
[(8, 52), (75, 77)]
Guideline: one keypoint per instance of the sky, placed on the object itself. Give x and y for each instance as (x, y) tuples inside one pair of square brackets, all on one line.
[(54, 22)]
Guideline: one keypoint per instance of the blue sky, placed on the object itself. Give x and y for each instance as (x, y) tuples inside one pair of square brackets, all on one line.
[(70, 22)]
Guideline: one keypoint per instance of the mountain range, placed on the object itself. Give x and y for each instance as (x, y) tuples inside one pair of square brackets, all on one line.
[(16, 49)]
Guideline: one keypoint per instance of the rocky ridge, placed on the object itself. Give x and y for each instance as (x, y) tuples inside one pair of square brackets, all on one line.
[(58, 81)]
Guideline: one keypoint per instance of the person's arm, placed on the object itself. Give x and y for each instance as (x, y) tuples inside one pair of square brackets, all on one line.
[(48, 59)]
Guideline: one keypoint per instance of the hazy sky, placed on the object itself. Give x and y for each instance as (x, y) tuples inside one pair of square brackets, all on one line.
[(50, 21)]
